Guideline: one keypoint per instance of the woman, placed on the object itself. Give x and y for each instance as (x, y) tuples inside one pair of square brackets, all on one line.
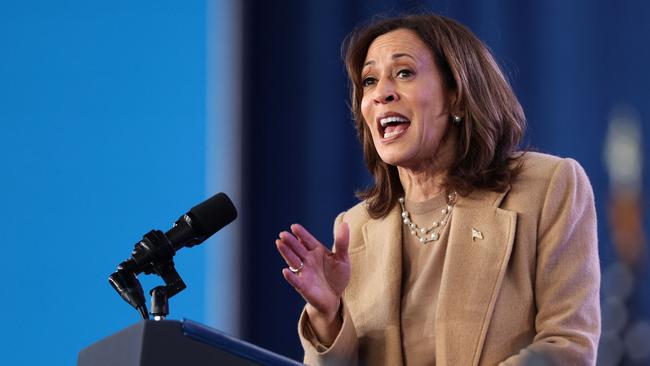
[(464, 252)]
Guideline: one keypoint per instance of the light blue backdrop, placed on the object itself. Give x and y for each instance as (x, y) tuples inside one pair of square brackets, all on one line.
[(103, 122)]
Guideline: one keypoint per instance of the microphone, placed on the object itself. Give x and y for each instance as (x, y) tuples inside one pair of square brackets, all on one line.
[(154, 253), (201, 221)]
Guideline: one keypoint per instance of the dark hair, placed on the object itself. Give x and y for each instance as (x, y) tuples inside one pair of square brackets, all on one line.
[(493, 120)]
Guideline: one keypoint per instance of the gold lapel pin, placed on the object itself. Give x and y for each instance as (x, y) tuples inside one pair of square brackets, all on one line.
[(476, 234)]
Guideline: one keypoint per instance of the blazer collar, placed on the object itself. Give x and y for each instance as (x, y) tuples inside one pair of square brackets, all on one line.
[(484, 198)]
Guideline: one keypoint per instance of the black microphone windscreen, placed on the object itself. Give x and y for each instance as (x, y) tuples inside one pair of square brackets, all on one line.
[(211, 215)]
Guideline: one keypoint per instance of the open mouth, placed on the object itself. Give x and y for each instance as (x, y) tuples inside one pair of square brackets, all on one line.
[(393, 125)]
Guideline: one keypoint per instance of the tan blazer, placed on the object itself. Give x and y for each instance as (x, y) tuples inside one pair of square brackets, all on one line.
[(528, 289)]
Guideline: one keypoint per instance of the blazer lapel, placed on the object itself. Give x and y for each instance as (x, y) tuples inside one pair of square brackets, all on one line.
[(383, 282), (480, 242)]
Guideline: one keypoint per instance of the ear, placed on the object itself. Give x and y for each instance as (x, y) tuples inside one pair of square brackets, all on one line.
[(453, 98)]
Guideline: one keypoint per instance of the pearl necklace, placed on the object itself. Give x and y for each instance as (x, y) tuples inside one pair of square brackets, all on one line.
[(432, 233)]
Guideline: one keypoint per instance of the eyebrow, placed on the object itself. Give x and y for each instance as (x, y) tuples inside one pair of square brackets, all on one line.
[(395, 56)]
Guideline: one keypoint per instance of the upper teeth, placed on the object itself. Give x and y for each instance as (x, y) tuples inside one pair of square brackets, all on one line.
[(387, 120)]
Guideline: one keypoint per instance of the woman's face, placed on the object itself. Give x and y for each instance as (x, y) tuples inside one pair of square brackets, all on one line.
[(405, 102)]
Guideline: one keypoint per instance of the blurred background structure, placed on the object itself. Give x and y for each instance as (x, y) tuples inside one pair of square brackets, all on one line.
[(116, 118)]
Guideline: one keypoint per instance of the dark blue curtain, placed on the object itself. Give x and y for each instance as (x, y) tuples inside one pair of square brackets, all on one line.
[(570, 63)]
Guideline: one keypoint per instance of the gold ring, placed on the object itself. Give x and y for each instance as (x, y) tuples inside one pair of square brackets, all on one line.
[(296, 270)]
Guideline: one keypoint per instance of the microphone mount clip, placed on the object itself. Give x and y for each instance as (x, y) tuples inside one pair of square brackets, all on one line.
[(152, 255)]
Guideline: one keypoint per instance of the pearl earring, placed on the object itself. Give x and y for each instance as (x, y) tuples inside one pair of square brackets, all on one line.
[(456, 118)]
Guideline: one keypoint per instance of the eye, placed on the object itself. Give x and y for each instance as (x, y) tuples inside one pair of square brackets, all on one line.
[(404, 74), (367, 81)]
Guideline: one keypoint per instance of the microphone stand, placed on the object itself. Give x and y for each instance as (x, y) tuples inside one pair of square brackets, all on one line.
[(159, 302), (160, 294), (152, 255)]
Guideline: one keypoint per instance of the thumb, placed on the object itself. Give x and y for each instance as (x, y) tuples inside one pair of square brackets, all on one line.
[(341, 241)]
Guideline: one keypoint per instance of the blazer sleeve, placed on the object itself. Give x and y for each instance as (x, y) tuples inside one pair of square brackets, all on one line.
[(567, 274), (344, 349)]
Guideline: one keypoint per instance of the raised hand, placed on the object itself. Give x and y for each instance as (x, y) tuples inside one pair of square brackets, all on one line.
[(318, 274)]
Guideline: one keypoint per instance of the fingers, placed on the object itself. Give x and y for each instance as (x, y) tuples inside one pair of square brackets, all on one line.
[(293, 279), (341, 241), (292, 259), (305, 237), (294, 243)]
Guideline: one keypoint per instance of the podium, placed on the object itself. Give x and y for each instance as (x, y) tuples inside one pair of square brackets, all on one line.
[(170, 342)]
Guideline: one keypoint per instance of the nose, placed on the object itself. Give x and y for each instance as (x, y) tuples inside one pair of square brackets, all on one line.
[(385, 92)]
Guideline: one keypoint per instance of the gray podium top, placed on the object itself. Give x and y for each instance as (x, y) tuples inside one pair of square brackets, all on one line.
[(170, 342)]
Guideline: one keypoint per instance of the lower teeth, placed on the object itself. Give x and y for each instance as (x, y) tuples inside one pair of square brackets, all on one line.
[(391, 134)]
